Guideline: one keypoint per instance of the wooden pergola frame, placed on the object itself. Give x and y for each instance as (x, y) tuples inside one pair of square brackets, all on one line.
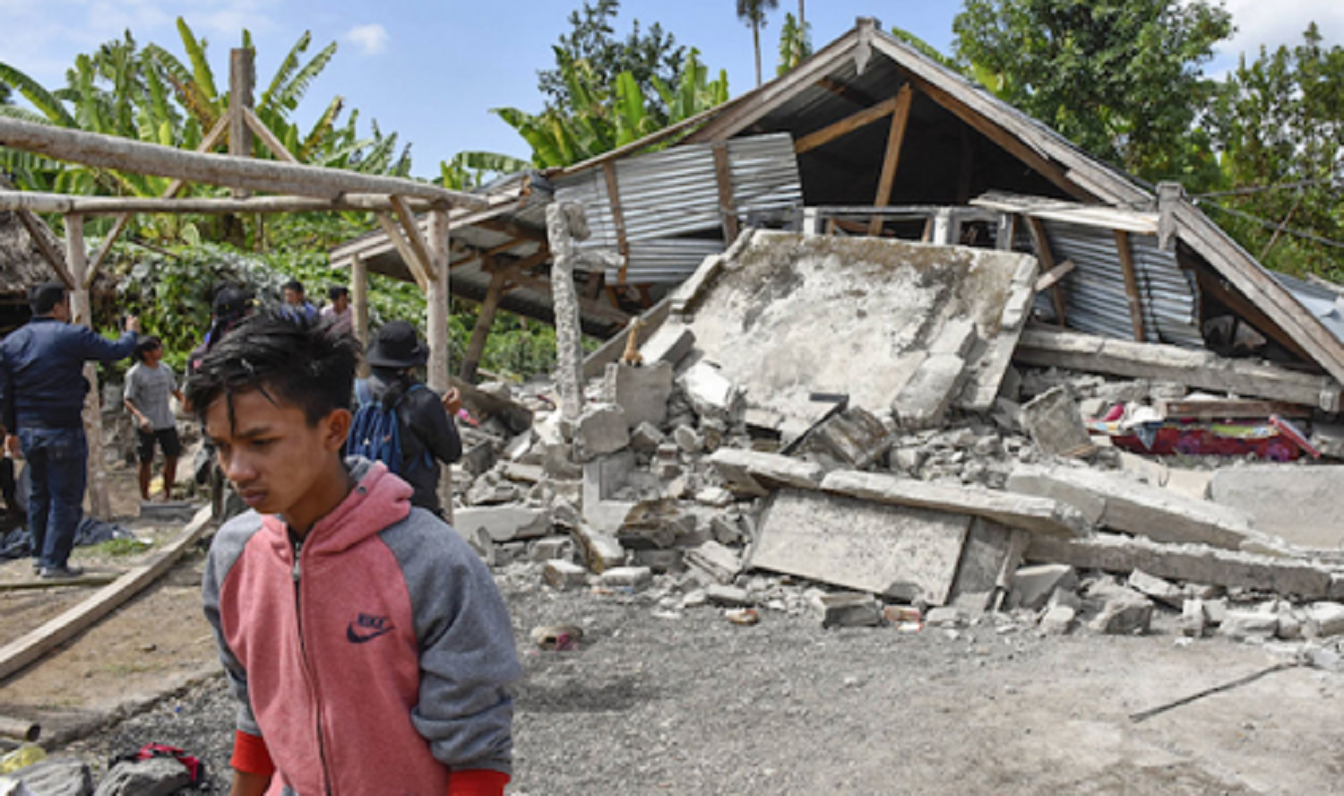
[(300, 188)]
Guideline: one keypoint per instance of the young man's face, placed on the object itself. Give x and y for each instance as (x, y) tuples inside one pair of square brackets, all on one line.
[(292, 296), (278, 462), (341, 302), (152, 356)]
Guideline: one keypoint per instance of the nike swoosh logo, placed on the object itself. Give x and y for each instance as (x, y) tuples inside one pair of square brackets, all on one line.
[(356, 638)]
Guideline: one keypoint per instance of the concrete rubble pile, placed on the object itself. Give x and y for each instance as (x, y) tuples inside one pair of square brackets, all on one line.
[(785, 442)]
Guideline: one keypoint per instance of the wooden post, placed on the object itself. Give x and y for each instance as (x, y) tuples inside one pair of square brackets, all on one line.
[(723, 175), (472, 360), (436, 323), (82, 311), (1131, 284), (359, 307), (240, 101), (618, 218), (1047, 259), (895, 138)]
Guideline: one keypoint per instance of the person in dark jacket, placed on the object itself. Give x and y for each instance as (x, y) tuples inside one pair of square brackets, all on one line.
[(43, 389), (428, 434)]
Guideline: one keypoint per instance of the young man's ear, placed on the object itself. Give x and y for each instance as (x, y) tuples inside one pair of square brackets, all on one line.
[(335, 428)]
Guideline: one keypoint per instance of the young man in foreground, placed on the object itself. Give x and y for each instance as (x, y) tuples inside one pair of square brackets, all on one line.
[(366, 643)]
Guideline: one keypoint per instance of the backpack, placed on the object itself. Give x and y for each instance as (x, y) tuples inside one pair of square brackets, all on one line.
[(200, 777), (375, 432)]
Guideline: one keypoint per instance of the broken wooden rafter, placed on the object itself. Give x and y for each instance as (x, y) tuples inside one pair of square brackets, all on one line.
[(617, 217), (411, 229), (1042, 244), (1132, 294), (393, 231), (1050, 279)]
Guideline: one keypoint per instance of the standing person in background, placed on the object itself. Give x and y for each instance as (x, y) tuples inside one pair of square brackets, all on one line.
[(338, 315), (149, 384), (428, 434), (43, 388), (296, 305)]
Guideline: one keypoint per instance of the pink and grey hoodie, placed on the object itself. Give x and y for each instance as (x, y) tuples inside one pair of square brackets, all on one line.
[(374, 657)]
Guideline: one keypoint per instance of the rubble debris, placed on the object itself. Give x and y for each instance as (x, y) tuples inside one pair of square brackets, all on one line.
[(601, 429), (749, 472), (501, 523), (645, 438), (715, 562), (603, 478), (894, 551), (1124, 504), (687, 439), (847, 609), (58, 776), (562, 575), (1325, 619), (1033, 585), (641, 392), (669, 344), (853, 437), (1196, 563), (988, 558), (1058, 620), (560, 638), (626, 577), (742, 616), (600, 550), (1157, 588), (551, 548), (1193, 618), (1054, 424), (1302, 505), (728, 596), (1196, 369), (944, 616), (924, 400), (1242, 625), (156, 776), (710, 392), (1041, 515), (1124, 611)]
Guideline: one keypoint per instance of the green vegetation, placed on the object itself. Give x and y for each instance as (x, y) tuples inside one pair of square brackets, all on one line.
[(119, 548)]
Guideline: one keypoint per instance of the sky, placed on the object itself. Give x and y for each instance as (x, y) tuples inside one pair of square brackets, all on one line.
[(431, 70)]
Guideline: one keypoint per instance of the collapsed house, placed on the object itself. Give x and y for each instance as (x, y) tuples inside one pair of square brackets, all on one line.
[(874, 330)]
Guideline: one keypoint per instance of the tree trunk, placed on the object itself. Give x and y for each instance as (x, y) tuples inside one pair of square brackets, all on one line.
[(756, 40), (802, 19)]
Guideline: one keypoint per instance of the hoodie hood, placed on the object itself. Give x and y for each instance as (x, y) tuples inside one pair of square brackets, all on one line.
[(378, 499)]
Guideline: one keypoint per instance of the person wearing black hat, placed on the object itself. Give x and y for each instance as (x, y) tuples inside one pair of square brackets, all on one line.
[(428, 433), (42, 389)]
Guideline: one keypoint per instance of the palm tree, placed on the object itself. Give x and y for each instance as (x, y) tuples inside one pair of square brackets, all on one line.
[(752, 12)]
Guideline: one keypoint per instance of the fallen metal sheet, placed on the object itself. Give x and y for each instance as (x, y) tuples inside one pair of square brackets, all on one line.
[(791, 315), (894, 551)]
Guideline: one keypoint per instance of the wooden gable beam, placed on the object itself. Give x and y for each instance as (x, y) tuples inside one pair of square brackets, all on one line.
[(845, 126), (895, 138), (414, 237), (267, 137), (393, 231)]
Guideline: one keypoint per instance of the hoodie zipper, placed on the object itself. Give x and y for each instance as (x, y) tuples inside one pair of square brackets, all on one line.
[(313, 692)]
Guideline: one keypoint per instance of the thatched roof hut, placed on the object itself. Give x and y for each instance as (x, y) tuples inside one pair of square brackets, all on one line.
[(21, 264)]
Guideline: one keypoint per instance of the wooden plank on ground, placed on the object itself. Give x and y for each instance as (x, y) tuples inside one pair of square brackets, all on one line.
[(24, 651)]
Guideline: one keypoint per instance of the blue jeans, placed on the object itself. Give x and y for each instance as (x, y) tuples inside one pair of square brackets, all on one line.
[(57, 461)]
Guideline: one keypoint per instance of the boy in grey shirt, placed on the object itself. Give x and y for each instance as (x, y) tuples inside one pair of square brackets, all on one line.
[(149, 384)]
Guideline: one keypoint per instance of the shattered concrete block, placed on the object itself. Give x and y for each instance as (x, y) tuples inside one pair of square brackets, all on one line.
[(728, 596), (602, 479), (854, 437), (645, 438), (552, 548), (1290, 626), (157, 776), (1141, 509), (54, 776), (1157, 588), (562, 575), (1126, 612), (1058, 620), (1193, 618), (1054, 424), (898, 551), (1038, 515), (641, 392), (847, 609), (520, 447), (1198, 563), (1215, 611), (524, 473), (1032, 586), (626, 577), (1325, 619), (687, 439), (985, 558), (717, 562), (1300, 504), (748, 472), (1249, 624), (944, 616), (600, 550), (600, 430), (714, 497), (502, 523), (906, 461), (658, 560), (669, 344), (710, 392), (924, 400)]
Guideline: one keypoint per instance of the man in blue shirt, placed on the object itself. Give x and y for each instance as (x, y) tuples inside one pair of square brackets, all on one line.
[(42, 388), (296, 303)]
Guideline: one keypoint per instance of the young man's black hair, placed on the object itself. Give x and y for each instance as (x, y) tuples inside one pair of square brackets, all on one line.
[(260, 354), (294, 285), (43, 297), (144, 345), (336, 291)]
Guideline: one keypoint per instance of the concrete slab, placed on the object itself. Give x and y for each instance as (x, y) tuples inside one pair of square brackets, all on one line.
[(896, 551), (784, 315), (1054, 424), (1191, 483), (715, 560), (641, 392), (1190, 563), (601, 429), (1301, 504), (1127, 505), (1037, 515), (503, 523), (983, 557), (749, 472), (924, 400), (670, 344), (712, 393)]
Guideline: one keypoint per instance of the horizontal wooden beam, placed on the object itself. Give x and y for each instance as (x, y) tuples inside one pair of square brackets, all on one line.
[(116, 205), (123, 154)]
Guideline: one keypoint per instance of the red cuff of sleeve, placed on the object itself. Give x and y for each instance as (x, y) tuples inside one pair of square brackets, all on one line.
[(477, 782), (250, 755)]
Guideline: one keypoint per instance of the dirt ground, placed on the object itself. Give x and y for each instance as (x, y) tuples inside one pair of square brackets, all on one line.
[(658, 701)]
